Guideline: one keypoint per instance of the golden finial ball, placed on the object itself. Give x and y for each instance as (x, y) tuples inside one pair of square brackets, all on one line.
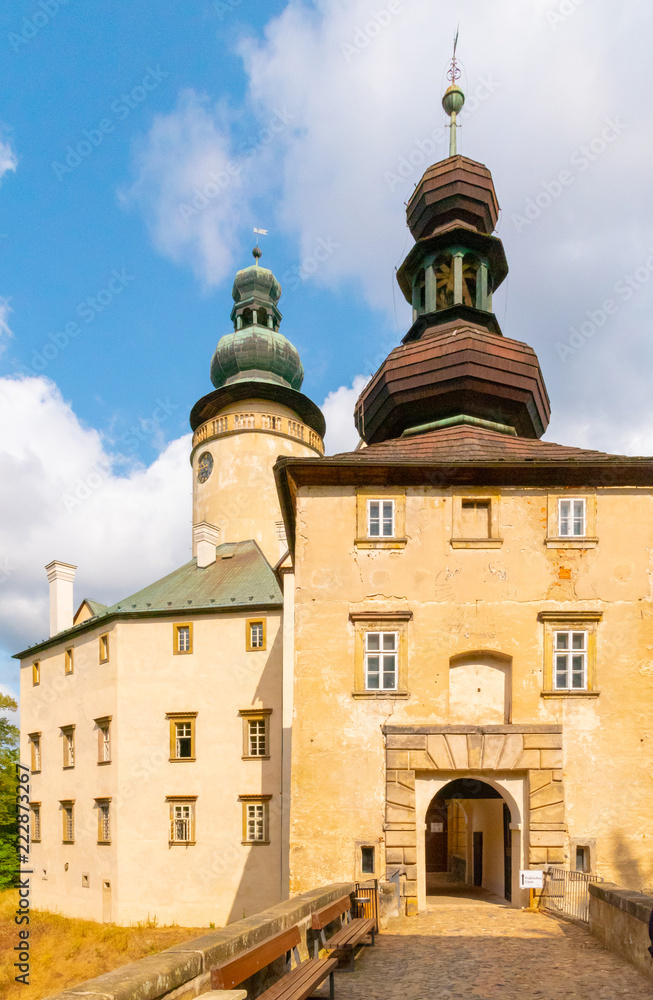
[(453, 100)]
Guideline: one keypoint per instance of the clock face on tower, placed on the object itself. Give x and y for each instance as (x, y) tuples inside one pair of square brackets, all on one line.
[(204, 466)]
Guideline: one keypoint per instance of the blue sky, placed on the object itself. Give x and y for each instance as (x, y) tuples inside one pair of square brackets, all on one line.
[(140, 146)]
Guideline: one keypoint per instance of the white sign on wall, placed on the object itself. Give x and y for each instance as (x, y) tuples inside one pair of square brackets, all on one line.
[(531, 879)]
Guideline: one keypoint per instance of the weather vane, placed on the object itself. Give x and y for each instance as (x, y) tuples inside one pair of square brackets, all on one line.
[(257, 252), (453, 100)]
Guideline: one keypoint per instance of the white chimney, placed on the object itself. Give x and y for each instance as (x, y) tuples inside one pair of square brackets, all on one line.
[(205, 538), (60, 576)]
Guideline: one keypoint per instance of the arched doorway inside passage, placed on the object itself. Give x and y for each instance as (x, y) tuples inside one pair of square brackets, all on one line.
[(471, 834)]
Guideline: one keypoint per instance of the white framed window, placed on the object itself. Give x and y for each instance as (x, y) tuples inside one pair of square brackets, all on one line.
[(256, 635), (35, 745), (36, 821), (104, 821), (570, 666), (255, 821), (182, 638), (68, 811), (381, 650), (380, 518), (183, 739), (571, 518), (257, 737), (68, 733), (105, 743), (182, 821)]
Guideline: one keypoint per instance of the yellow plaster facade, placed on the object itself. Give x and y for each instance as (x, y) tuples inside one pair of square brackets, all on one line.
[(470, 605)]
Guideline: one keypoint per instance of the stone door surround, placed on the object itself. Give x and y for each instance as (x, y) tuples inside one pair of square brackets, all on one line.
[(535, 750)]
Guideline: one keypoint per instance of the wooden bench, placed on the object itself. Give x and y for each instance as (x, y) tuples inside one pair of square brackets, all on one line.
[(297, 984), (351, 933)]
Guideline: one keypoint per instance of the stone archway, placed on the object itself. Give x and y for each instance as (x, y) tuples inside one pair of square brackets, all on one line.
[(524, 763)]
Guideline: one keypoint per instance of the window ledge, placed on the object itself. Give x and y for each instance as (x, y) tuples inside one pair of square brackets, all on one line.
[(35, 841), (102, 763), (104, 843), (562, 693), (181, 843), (380, 543), (179, 760), (380, 694), (67, 841), (255, 843), (582, 542), (476, 543), (256, 756), (68, 767), (36, 772)]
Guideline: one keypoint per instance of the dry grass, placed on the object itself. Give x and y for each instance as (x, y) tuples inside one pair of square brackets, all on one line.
[(65, 951)]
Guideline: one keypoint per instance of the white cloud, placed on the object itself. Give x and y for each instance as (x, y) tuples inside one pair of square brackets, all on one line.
[(8, 158), (188, 186), (338, 409), (61, 498)]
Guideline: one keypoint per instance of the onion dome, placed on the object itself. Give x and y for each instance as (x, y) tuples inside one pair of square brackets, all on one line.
[(256, 351)]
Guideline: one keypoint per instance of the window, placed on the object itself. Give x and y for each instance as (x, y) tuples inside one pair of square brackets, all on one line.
[(571, 518), (570, 660), (182, 735), (582, 859), (380, 519), (68, 661), (255, 635), (256, 732), (367, 860), (380, 644), (182, 819), (571, 521), (570, 643), (36, 673), (381, 661), (104, 647), (68, 813), (86, 880), (475, 522), (256, 818), (103, 821), (36, 821), (35, 750), (68, 733), (103, 739), (183, 638)]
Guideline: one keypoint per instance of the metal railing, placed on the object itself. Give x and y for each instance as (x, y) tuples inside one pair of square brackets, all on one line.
[(367, 900), (567, 893)]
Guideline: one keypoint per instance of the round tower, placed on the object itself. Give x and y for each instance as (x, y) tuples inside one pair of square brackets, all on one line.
[(255, 414)]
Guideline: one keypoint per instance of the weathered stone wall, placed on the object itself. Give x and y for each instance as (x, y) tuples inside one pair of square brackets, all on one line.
[(184, 972), (620, 919), (473, 750)]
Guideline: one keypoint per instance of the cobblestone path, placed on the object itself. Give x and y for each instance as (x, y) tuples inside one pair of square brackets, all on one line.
[(479, 951)]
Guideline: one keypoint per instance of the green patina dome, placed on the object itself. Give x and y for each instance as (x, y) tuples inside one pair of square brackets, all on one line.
[(256, 351), (259, 354)]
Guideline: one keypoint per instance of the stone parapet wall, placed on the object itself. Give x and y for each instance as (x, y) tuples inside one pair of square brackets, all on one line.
[(532, 749), (184, 971), (620, 919)]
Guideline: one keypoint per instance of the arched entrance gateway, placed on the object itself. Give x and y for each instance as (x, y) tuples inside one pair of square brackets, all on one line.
[(467, 837), (446, 783)]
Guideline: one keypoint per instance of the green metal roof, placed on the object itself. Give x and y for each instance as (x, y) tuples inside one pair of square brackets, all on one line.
[(95, 606), (241, 577)]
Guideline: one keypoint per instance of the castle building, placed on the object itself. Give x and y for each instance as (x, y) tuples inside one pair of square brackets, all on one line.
[(426, 656)]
